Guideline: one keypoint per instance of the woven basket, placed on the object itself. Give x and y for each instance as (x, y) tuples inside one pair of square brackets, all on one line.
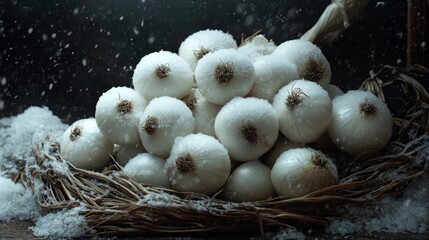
[(116, 204)]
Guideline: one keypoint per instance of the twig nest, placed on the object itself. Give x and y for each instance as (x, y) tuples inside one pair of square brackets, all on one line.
[(162, 74), (224, 74), (304, 110), (84, 146), (118, 112), (312, 65), (247, 127), (281, 146), (149, 169), (198, 163), (203, 111), (126, 152), (300, 171), (251, 181), (360, 122), (164, 119), (271, 73), (198, 44), (257, 47)]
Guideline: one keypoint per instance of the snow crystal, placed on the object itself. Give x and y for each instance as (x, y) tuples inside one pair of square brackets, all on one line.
[(287, 233), (16, 201), (65, 223), (158, 200), (3, 81)]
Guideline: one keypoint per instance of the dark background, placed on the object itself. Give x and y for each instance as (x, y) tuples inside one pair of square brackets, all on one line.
[(65, 54)]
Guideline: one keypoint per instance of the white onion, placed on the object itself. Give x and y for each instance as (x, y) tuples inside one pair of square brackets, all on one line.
[(333, 91), (203, 111), (304, 110), (118, 112), (360, 122), (163, 74), (247, 127), (224, 74), (251, 181), (271, 73), (257, 46), (164, 119), (126, 152), (198, 163), (198, 44), (281, 146), (300, 171), (312, 65), (149, 169), (83, 145)]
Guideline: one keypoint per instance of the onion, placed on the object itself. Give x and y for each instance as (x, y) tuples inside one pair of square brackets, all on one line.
[(257, 46), (149, 169), (271, 73), (281, 146), (224, 74), (251, 181), (247, 127), (203, 111), (312, 65), (163, 74), (83, 145), (164, 119), (195, 46), (304, 110), (300, 171), (360, 122), (126, 152), (118, 112), (198, 163), (333, 91)]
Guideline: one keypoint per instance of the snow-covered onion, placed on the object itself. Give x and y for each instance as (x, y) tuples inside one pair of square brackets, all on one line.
[(118, 112), (281, 146), (203, 111), (247, 127), (83, 145), (164, 119), (162, 73), (198, 44), (257, 46), (223, 75), (271, 73), (312, 65), (251, 181), (198, 163), (360, 122), (126, 152), (304, 110), (300, 171), (149, 169)]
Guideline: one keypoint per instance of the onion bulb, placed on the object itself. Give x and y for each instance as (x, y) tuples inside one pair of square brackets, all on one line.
[(304, 110), (271, 73), (360, 122), (257, 46), (251, 181), (312, 65), (198, 44), (162, 74), (118, 112), (224, 74), (300, 171), (164, 119), (247, 127), (281, 146), (203, 111), (333, 91), (149, 169), (198, 163), (126, 152), (84, 146)]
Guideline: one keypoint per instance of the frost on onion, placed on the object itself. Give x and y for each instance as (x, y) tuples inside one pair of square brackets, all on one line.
[(149, 169), (258, 46), (164, 119), (311, 64), (118, 112), (84, 146), (247, 127), (198, 163), (162, 74), (223, 75), (197, 45)]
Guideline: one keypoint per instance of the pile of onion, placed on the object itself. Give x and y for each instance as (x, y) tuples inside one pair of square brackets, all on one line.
[(234, 122)]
